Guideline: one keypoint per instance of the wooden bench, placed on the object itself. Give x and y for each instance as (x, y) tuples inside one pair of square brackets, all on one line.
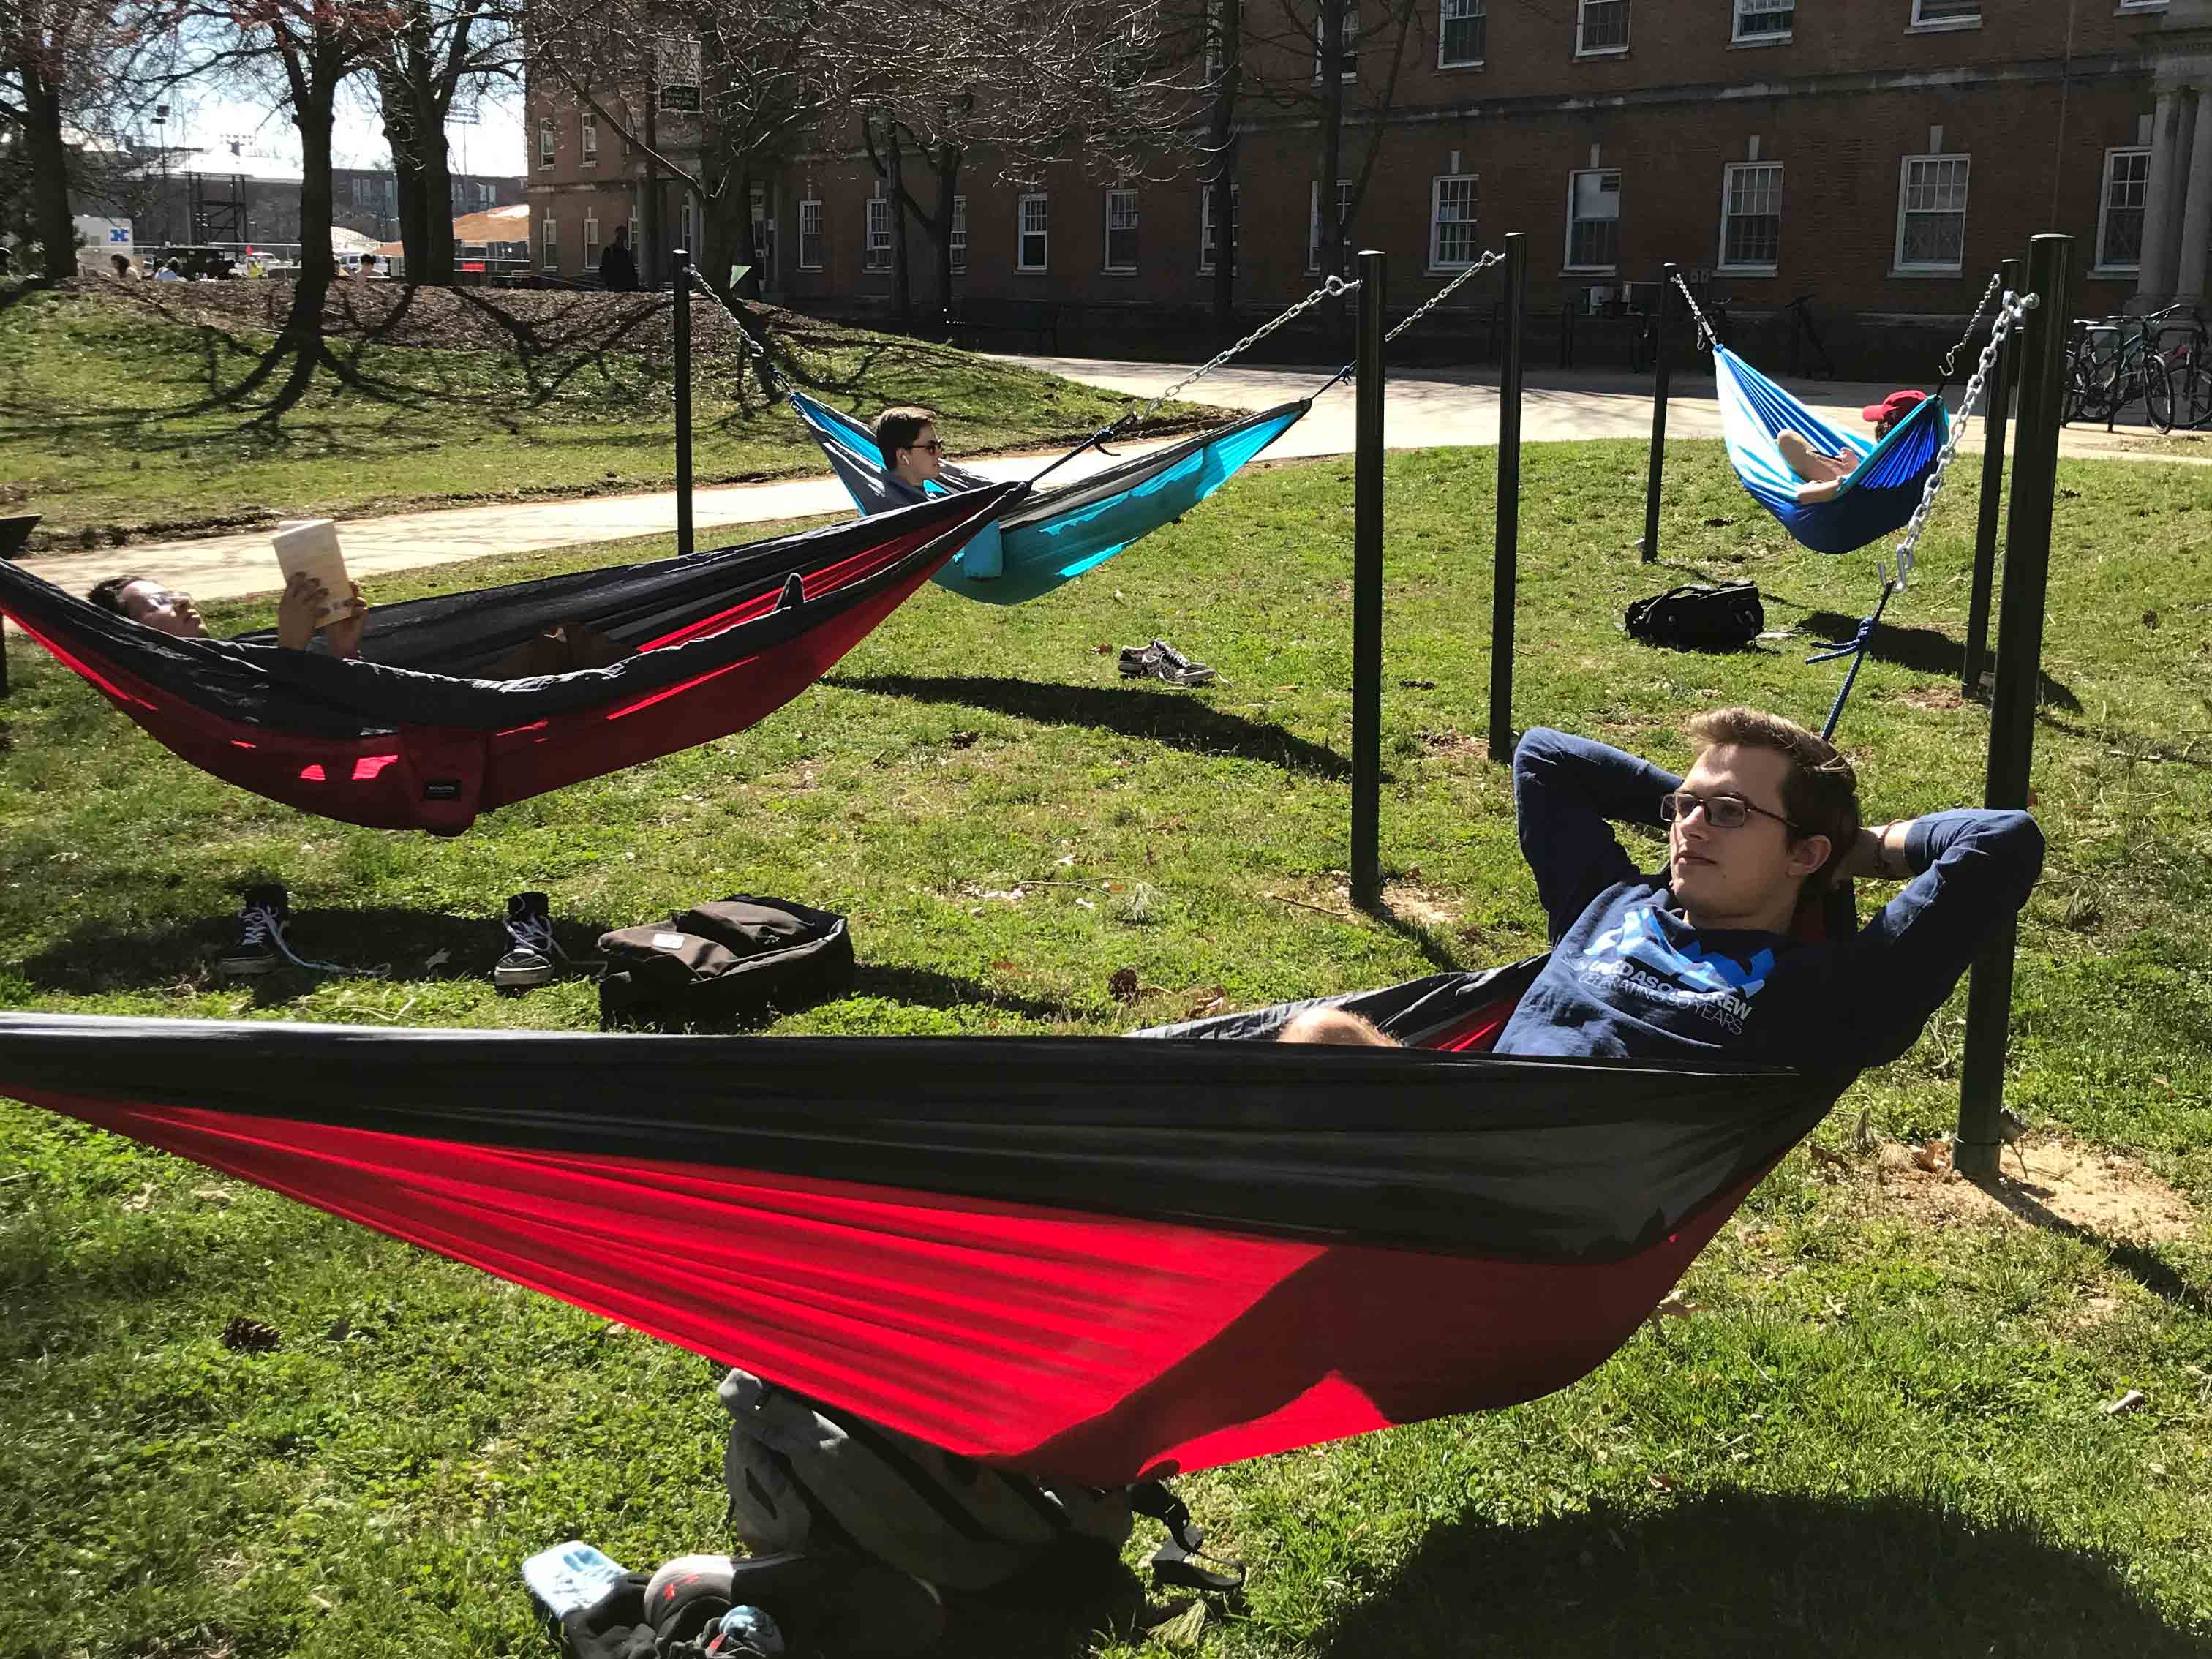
[(1037, 318)]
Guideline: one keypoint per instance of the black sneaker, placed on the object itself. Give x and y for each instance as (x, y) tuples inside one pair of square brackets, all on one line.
[(1138, 661), (261, 921), (531, 955), (1172, 666)]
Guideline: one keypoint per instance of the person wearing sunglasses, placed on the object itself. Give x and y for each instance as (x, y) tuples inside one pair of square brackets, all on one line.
[(1704, 958), (908, 437)]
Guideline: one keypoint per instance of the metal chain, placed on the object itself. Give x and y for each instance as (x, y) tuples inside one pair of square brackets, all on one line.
[(1329, 290), (1951, 358), (1495, 257), (1706, 337), (2011, 311), (767, 363)]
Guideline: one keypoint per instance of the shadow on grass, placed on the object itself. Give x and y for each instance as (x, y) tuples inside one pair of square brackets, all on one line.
[(2024, 1200), (400, 943), (1166, 717), (1745, 1573), (1924, 650), (919, 987)]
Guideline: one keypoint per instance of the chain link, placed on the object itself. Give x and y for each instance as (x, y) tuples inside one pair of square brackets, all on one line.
[(1706, 337), (1329, 290), (1495, 257), (2011, 311), (1951, 358), (767, 373)]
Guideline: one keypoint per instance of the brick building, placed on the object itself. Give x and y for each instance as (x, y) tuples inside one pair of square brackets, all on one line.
[(1881, 155)]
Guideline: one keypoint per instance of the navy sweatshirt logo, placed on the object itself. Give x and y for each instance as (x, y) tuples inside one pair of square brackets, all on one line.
[(1639, 958)]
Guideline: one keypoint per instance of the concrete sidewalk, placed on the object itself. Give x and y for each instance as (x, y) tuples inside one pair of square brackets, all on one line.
[(1424, 409)]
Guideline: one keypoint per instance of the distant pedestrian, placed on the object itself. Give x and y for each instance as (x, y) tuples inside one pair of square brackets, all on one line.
[(124, 271), (617, 267), (172, 272)]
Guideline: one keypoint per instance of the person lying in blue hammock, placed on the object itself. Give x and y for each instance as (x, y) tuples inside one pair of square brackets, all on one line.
[(1699, 962), (1825, 473)]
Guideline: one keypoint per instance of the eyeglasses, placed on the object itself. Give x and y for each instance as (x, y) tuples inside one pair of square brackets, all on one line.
[(1721, 811), (933, 447)]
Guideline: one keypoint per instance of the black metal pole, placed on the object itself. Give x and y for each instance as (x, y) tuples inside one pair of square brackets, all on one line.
[(680, 269), (1658, 412), (1505, 563), (1367, 595), (2020, 664), (1995, 395)]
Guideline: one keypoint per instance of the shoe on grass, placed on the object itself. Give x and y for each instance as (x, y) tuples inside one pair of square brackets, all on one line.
[(1139, 661), (261, 921), (1175, 669), (531, 957)]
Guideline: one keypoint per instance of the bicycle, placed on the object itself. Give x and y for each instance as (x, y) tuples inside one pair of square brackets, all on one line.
[(2113, 362), (1803, 334), (2189, 369)]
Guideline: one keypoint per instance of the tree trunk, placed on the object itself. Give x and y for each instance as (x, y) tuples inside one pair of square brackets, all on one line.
[(948, 190), (1332, 135), (47, 153), (437, 191), (901, 270), (1226, 22)]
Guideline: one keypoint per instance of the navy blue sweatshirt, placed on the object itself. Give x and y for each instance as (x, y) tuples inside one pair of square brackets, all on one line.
[(1630, 978)]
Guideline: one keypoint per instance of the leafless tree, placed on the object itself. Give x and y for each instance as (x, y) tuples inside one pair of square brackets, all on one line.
[(435, 53)]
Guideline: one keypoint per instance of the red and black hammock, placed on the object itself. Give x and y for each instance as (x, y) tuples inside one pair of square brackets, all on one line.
[(406, 737), (1093, 1259)]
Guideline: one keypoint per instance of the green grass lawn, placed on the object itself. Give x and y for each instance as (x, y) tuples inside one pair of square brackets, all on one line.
[(1877, 1428), (95, 392)]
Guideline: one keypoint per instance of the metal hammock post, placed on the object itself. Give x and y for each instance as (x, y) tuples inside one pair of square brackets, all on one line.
[(1979, 1137), (1985, 530), (1367, 594), (682, 262), (1658, 411), (1505, 562)]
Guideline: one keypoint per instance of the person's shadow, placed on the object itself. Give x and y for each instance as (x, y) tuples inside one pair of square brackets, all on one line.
[(1752, 1574)]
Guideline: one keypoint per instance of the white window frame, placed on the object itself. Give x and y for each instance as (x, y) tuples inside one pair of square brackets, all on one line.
[(811, 207), (1582, 28), (1205, 237), (2140, 5), (1478, 10), (1436, 190), (549, 243), (1106, 250), (1925, 25), (1313, 218), (591, 249), (2105, 207), (876, 250), (487, 195), (548, 145), (1350, 43), (1728, 172), (1742, 8), (1567, 253), (761, 208), (1952, 268), (587, 137), (1043, 232), (957, 238), (636, 242)]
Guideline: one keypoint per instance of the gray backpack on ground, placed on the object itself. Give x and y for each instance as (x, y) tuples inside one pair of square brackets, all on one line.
[(801, 1480)]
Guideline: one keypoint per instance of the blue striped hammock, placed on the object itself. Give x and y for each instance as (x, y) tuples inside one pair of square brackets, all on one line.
[(1880, 494), (1055, 534)]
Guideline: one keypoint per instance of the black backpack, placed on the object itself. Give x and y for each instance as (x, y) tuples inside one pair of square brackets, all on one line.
[(1691, 618), (738, 956)]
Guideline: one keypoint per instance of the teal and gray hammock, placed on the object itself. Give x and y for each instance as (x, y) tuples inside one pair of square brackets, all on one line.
[(1053, 535), (1877, 497)]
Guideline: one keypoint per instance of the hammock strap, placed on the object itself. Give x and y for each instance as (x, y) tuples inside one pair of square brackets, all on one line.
[(1951, 358), (763, 364), (1855, 649), (1706, 338), (1493, 256)]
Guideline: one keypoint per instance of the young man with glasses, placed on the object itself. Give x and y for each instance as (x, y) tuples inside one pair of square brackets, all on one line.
[(1699, 960), (908, 437)]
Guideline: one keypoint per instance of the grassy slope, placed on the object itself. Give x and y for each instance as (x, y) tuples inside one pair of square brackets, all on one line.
[(1872, 1437), (91, 434)]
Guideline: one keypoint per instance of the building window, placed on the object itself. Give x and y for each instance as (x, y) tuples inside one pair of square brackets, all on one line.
[(2120, 213), (687, 244), (959, 232), (548, 236), (810, 235), (1750, 217), (764, 234), (1452, 230), (1121, 230), (1947, 14), (879, 234), (1594, 220), (1761, 21), (1601, 26), (1034, 224), (588, 138), (1351, 37), (1462, 33), (1931, 213), (591, 244), (1209, 250), (486, 196), (636, 245), (360, 191), (545, 141), (1313, 220)]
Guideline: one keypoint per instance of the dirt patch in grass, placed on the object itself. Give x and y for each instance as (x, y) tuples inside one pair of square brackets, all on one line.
[(1936, 696), (2066, 1184)]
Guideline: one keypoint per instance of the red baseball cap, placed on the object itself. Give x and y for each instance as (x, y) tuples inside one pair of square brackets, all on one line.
[(1898, 402)]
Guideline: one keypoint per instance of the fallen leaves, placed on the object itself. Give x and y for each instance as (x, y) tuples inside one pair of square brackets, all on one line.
[(243, 1334), (1121, 985), (1933, 1155)]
